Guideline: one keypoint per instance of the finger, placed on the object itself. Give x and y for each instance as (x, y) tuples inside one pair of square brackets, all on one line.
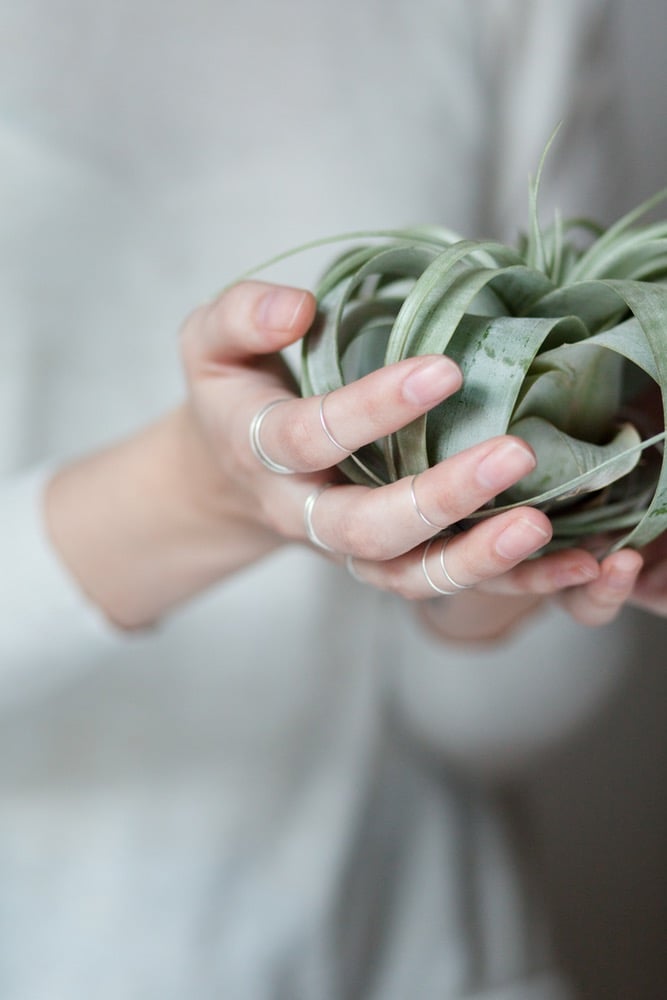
[(249, 319), (465, 560), (382, 523), (650, 592), (549, 574), (599, 602), (312, 434)]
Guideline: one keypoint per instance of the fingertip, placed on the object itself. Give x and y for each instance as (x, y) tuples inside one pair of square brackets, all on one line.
[(620, 569), (538, 520), (247, 319), (629, 560), (283, 309), (524, 534), (599, 602), (519, 442), (430, 380)]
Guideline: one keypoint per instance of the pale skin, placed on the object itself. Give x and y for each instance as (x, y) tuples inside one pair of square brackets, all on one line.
[(148, 523)]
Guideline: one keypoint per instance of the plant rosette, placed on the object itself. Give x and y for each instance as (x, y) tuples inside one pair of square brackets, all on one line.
[(556, 338)]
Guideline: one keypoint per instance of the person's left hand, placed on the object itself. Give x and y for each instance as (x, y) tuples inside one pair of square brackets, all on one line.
[(496, 607), (592, 593)]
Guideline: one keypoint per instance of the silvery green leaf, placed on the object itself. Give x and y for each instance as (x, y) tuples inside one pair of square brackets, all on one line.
[(577, 387), (561, 457), (554, 336)]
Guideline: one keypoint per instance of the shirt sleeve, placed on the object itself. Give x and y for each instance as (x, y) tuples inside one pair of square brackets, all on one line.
[(48, 628)]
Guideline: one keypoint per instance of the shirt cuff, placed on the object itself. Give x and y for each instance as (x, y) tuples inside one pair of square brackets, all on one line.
[(48, 628)]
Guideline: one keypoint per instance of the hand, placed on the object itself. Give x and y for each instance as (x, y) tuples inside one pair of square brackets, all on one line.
[(148, 523), (593, 594)]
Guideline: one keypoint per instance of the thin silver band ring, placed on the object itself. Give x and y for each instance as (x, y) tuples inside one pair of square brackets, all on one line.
[(256, 444), (352, 570), (413, 497), (448, 577), (308, 509), (434, 586), (326, 429)]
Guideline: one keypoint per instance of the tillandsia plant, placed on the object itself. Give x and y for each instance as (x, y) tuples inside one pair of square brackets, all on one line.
[(555, 337), (562, 341)]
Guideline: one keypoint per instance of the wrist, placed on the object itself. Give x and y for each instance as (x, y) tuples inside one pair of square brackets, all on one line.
[(148, 523)]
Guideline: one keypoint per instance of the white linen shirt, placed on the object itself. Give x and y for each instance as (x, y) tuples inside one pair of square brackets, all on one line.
[(284, 791)]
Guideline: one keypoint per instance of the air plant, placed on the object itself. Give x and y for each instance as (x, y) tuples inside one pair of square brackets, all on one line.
[(556, 338)]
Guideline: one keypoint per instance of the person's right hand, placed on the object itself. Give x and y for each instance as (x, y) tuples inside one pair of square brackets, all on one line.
[(186, 502)]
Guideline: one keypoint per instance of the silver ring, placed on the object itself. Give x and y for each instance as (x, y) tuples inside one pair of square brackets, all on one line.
[(431, 583), (448, 576), (308, 509), (350, 567), (325, 426), (256, 444), (413, 496)]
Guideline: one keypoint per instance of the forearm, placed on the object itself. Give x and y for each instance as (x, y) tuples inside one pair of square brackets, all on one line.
[(131, 525)]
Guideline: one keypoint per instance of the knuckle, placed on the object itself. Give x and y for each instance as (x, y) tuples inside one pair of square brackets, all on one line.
[(360, 539), (298, 438), (370, 414), (395, 580), (373, 546), (447, 504), (352, 538), (470, 571), (398, 581)]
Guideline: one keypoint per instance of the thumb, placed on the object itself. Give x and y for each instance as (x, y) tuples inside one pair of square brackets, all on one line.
[(246, 320)]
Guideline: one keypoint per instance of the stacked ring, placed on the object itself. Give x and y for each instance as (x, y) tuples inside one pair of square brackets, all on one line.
[(413, 497), (256, 444), (326, 428), (453, 583), (308, 509)]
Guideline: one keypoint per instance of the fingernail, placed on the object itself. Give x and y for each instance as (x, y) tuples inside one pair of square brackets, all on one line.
[(585, 573), (520, 539), (279, 309), (572, 576), (622, 574), (502, 467), (431, 381)]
